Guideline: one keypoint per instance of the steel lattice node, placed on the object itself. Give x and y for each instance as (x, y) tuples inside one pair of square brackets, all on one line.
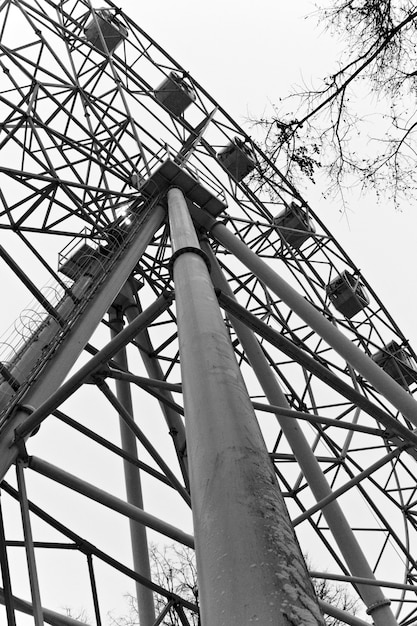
[(169, 174)]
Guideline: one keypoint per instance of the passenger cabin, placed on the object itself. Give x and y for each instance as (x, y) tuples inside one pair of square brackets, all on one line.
[(395, 361), (237, 158), (347, 294), (175, 93), (105, 32), (294, 225)]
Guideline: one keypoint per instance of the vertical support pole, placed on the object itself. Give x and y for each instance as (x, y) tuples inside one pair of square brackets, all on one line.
[(175, 482), (356, 415), (30, 552), (172, 418), (250, 566), (165, 611), (378, 605), (133, 483), (5, 574), (94, 588)]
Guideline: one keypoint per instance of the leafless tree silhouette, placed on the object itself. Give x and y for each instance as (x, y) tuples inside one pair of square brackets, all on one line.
[(359, 124)]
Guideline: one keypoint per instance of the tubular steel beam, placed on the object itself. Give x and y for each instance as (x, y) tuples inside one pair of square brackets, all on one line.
[(392, 425), (30, 552), (162, 396), (116, 504), (50, 617), (164, 613), (5, 574), (316, 419), (54, 372), (131, 424), (167, 402), (250, 567), (94, 593), (351, 483), (353, 355), (141, 381), (374, 599), (363, 581), (97, 361), (110, 446), (133, 483), (342, 616)]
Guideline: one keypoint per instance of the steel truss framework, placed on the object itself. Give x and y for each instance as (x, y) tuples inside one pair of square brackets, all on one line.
[(93, 161)]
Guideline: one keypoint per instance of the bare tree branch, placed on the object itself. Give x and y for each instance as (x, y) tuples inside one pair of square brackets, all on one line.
[(358, 127)]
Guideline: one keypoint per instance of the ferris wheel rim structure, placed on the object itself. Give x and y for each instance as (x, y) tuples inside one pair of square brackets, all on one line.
[(103, 134)]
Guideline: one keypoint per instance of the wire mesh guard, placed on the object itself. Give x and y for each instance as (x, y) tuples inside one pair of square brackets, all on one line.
[(98, 123)]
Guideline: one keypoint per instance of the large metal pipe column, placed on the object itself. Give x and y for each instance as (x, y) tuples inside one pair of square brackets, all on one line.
[(140, 552), (56, 369), (250, 567), (378, 606)]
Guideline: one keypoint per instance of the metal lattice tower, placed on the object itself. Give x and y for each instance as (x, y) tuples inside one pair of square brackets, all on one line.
[(202, 339)]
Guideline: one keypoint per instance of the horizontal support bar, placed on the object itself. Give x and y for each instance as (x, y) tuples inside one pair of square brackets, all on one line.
[(51, 617), (103, 497), (363, 581), (317, 419), (343, 616), (110, 446), (43, 544), (351, 483), (151, 389), (142, 381)]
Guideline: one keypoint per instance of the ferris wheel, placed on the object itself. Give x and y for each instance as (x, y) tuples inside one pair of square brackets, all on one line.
[(200, 362)]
